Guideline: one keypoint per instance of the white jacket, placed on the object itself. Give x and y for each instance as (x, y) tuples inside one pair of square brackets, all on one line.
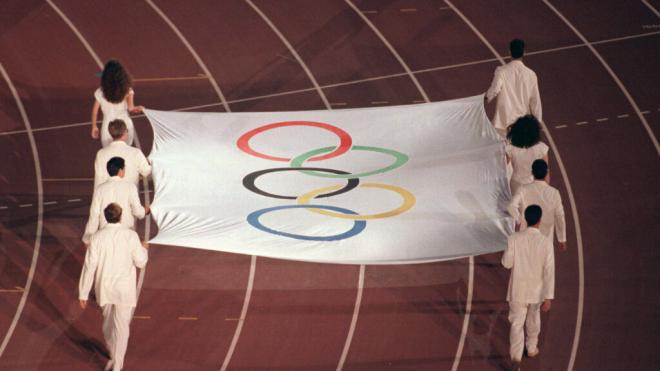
[(111, 258), (530, 257), (135, 163), (540, 193), (121, 192), (517, 89)]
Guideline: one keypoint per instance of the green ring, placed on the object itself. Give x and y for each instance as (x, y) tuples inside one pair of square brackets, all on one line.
[(399, 157)]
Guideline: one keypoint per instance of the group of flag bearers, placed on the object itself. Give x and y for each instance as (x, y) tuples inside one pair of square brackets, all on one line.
[(536, 206), (114, 250)]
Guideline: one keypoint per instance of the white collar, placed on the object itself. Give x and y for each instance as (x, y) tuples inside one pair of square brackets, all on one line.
[(113, 225), (118, 142), (116, 178)]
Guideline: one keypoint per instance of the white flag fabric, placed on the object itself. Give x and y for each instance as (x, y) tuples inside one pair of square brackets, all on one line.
[(390, 185)]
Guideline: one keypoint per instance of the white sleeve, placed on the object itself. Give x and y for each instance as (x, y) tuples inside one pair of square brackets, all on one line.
[(495, 86), (100, 172), (93, 221), (560, 219), (143, 164), (535, 101), (515, 206), (507, 257), (549, 271), (87, 274), (140, 255), (136, 206)]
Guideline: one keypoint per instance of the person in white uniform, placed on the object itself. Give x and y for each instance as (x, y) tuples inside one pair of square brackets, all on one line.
[(524, 147), (115, 99), (516, 88), (135, 162), (114, 190), (530, 257), (110, 261), (539, 192)]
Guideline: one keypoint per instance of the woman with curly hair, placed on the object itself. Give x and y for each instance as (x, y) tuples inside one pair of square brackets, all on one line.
[(115, 99), (523, 149)]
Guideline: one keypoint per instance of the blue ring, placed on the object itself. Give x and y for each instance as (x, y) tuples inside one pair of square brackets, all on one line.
[(358, 225)]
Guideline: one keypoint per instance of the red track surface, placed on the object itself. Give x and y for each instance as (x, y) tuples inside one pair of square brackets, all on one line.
[(299, 314)]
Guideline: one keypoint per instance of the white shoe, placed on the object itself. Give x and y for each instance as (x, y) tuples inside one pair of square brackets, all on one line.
[(533, 353), (108, 366)]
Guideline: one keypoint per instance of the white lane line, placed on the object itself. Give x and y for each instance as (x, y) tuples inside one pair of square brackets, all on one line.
[(76, 32), (561, 126), (391, 48), (645, 112), (602, 119), (622, 38), (476, 31), (354, 318), (40, 212), (408, 10), (192, 51), (614, 76), (339, 104), (25, 205), (411, 75), (370, 11), (291, 50), (225, 104), (95, 57), (4, 207), (380, 102), (581, 123), (625, 115), (339, 84), (466, 316), (50, 203), (345, 83), (574, 211), (652, 8), (241, 319), (68, 179), (74, 200)]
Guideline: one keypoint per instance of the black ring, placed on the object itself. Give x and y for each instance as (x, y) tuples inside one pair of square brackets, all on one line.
[(249, 181)]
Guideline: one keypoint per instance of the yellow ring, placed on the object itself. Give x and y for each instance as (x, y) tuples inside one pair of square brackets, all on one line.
[(408, 202)]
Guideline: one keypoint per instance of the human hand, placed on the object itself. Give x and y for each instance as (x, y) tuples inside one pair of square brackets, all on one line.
[(83, 304), (546, 305), (562, 246), (145, 244), (95, 132), (137, 109), (147, 210)]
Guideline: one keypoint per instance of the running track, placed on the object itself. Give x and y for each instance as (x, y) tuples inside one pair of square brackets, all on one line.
[(203, 310)]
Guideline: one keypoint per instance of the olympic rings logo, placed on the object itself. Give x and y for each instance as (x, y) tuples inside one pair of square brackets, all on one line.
[(304, 201)]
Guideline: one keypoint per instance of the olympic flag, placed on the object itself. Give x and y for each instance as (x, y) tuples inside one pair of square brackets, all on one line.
[(390, 185)]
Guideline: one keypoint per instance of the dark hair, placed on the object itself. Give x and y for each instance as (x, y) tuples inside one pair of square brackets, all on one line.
[(114, 165), (115, 81), (525, 132), (117, 128), (112, 213), (517, 48), (533, 214), (539, 169)]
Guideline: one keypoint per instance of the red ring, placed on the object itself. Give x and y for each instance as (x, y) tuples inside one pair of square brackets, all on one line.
[(345, 140)]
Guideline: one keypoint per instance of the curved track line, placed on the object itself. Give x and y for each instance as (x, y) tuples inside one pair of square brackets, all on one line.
[(391, 48), (651, 8), (292, 50), (612, 74), (253, 259), (40, 212), (468, 303), (350, 82), (192, 51), (328, 106), (571, 198)]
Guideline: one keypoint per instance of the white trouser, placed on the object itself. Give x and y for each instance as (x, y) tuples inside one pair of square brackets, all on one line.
[(529, 316), (116, 323)]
